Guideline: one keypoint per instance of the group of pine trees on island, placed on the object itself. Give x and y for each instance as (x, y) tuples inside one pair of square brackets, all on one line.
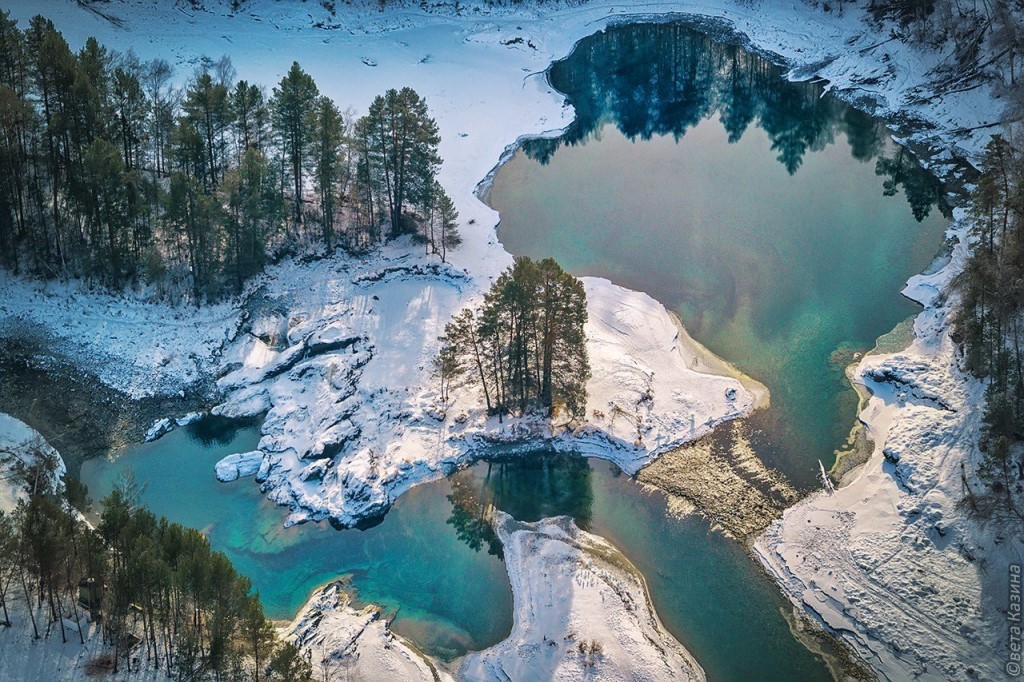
[(113, 175)]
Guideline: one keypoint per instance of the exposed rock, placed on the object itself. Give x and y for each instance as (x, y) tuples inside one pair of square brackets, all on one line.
[(722, 478), (159, 428), (239, 465)]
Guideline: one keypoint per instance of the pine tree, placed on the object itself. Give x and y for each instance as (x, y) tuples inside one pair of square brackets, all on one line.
[(109, 213), (328, 139), (289, 665), (254, 214), (258, 634), (527, 345), (251, 116), (156, 77), (206, 107), (293, 119), (448, 220), (131, 109), (8, 560), (401, 156), (195, 214)]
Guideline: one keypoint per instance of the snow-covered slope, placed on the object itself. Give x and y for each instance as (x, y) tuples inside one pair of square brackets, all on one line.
[(339, 362), (137, 347), (895, 562), (23, 658)]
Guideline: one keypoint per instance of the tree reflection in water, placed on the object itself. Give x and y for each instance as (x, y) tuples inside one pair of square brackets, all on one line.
[(529, 487), (663, 79)]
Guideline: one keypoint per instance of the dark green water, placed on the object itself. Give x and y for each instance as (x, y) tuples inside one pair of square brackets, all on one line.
[(755, 207), (433, 562)]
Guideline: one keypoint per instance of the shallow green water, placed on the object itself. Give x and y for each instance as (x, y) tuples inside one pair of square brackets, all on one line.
[(412, 563), (751, 205), (432, 561)]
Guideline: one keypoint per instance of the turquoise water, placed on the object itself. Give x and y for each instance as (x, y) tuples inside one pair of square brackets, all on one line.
[(412, 563), (432, 561), (755, 207)]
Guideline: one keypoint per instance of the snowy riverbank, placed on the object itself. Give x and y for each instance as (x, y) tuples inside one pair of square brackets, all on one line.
[(895, 562)]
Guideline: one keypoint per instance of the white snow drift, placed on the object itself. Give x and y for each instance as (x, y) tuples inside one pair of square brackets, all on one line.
[(581, 612)]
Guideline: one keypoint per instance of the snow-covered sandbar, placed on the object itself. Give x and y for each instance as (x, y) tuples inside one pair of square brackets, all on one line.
[(581, 612)]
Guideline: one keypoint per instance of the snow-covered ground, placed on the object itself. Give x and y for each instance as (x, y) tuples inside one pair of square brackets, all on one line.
[(344, 643), (24, 658), (894, 561), (581, 611), (19, 444), (349, 384), (485, 88), (139, 348), (340, 366)]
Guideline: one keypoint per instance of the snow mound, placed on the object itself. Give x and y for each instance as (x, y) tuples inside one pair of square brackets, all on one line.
[(19, 444), (581, 611), (238, 466), (348, 644)]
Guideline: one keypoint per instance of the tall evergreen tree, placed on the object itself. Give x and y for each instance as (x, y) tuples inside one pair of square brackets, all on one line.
[(328, 139), (251, 116), (207, 109), (401, 152), (293, 118), (527, 346)]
